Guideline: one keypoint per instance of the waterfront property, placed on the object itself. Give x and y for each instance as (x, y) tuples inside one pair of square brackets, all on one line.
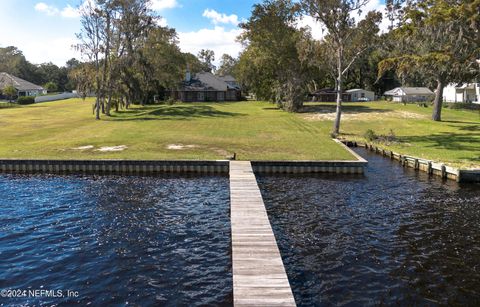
[(23, 87), (410, 94), (252, 130)]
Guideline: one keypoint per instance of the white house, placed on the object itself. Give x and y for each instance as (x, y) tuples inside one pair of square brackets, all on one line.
[(24, 88), (410, 94), (464, 92), (358, 94)]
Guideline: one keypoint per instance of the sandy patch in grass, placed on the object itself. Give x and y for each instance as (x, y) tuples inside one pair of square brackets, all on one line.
[(112, 148), (180, 146), (84, 147), (327, 114)]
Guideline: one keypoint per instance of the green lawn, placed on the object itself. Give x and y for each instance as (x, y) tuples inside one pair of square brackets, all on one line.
[(254, 130), (455, 140)]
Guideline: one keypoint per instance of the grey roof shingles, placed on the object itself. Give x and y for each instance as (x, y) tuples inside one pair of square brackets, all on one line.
[(19, 84), (410, 91)]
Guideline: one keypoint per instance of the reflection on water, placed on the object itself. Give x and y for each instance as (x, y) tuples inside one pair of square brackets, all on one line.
[(116, 240), (393, 236)]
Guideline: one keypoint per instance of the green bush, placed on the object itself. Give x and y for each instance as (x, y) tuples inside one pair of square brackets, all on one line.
[(170, 101), (389, 138), (459, 105), (370, 135), (26, 100)]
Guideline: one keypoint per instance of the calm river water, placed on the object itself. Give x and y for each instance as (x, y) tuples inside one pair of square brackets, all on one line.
[(116, 240), (390, 237)]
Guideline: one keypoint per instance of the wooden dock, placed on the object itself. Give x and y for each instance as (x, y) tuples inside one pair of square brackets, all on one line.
[(259, 277)]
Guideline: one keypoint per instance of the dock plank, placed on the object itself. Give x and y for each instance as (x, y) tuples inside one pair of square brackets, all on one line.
[(259, 277)]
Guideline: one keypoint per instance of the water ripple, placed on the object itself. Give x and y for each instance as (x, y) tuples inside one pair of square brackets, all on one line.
[(117, 240), (393, 236)]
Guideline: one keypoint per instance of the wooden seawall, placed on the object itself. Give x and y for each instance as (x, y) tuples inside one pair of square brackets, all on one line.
[(259, 277)]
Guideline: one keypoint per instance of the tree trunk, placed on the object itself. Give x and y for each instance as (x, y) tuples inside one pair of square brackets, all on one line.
[(336, 126), (438, 102), (109, 103), (97, 108)]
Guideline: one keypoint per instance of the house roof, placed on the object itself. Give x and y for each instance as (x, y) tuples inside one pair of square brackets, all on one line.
[(357, 90), (205, 81), (17, 83), (470, 86), (401, 91), (212, 81), (228, 78)]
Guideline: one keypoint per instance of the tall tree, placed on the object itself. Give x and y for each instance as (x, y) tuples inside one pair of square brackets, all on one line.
[(91, 43), (440, 40), (346, 40), (13, 61), (207, 57), (227, 65), (270, 65)]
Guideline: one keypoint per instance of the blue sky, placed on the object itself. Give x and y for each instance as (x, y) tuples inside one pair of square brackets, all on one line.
[(45, 29)]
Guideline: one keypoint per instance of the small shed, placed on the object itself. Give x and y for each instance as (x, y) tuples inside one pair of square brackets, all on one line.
[(410, 94), (358, 94)]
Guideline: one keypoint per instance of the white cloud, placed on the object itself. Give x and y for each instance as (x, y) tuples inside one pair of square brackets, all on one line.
[(159, 5), (162, 22), (374, 5), (70, 12), (316, 28), (217, 17), (50, 10), (58, 50), (218, 39)]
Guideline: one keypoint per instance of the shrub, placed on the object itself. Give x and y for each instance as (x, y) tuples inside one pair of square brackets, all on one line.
[(170, 101), (370, 135), (459, 105), (389, 138), (26, 100)]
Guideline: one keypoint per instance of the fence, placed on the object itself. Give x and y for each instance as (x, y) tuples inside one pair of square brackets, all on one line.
[(55, 97)]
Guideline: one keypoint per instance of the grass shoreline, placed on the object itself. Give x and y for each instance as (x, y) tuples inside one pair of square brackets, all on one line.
[(67, 130), (207, 131)]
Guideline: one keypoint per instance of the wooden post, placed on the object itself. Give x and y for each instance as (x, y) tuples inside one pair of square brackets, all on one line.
[(417, 164), (429, 168), (443, 168)]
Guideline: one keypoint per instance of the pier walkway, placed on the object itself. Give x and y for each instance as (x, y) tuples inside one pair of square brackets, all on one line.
[(259, 277)]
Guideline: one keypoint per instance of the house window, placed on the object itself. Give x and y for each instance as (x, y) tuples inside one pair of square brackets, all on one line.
[(362, 95), (200, 96)]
